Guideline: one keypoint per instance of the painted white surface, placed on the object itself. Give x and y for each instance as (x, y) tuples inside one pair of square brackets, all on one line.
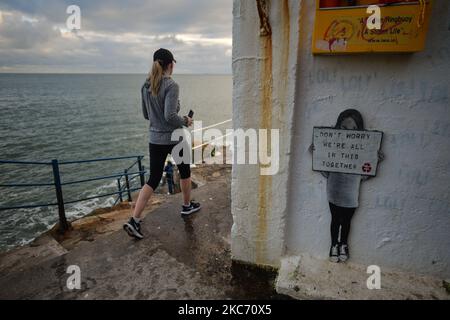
[(403, 222), (251, 242), (303, 277)]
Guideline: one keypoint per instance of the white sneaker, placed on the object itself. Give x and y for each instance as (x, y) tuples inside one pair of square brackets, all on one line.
[(343, 253), (334, 253)]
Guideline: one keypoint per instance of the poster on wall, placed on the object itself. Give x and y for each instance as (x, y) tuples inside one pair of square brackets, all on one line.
[(346, 151), (403, 28)]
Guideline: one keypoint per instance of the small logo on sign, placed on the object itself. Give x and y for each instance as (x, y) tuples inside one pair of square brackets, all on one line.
[(367, 167)]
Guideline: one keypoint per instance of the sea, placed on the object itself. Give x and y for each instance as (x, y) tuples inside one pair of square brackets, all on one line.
[(71, 117)]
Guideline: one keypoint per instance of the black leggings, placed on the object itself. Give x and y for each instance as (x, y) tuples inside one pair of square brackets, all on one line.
[(158, 155), (340, 218)]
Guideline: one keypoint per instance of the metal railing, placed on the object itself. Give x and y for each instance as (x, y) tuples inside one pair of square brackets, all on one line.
[(128, 175), (123, 180)]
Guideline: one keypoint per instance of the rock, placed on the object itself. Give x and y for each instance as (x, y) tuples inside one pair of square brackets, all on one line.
[(446, 285)]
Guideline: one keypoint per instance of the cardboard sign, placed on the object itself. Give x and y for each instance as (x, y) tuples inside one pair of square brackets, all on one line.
[(346, 151)]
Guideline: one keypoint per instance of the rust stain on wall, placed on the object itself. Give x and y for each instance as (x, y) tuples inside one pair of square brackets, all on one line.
[(285, 36), (264, 26), (302, 25), (265, 182), (266, 120)]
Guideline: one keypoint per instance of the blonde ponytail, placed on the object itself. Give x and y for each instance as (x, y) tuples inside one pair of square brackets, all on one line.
[(155, 78)]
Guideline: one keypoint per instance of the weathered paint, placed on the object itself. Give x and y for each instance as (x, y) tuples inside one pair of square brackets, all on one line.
[(263, 97), (267, 120), (264, 187), (285, 34)]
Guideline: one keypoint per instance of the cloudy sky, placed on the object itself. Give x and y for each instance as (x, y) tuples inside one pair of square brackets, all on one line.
[(116, 36)]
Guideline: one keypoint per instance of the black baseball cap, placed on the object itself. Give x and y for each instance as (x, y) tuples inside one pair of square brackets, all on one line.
[(164, 55)]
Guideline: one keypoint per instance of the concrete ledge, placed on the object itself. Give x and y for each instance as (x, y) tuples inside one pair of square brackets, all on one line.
[(42, 249), (304, 277)]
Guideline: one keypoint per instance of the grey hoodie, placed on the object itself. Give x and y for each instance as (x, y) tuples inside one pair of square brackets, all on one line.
[(162, 111)]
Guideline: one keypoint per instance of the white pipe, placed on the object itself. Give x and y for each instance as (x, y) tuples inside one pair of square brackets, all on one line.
[(211, 126), (206, 143)]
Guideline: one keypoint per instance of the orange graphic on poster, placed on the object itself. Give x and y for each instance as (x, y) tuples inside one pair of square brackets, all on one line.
[(339, 32)]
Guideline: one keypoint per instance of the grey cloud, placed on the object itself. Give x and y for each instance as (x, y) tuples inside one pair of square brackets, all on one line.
[(18, 34), (39, 46), (208, 17)]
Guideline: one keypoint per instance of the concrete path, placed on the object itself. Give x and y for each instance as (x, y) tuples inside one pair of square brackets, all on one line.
[(180, 258)]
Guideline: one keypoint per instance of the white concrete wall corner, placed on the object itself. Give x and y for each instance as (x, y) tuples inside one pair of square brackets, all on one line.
[(245, 92), (249, 56)]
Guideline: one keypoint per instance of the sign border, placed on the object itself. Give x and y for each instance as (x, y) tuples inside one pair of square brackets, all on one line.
[(365, 175)]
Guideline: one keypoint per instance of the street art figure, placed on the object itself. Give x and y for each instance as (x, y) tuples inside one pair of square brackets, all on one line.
[(343, 193)]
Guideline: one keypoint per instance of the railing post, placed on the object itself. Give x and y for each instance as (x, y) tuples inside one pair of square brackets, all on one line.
[(63, 225), (127, 181), (120, 190), (141, 174)]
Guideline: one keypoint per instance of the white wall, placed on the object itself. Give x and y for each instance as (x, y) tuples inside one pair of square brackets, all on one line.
[(263, 97), (403, 221)]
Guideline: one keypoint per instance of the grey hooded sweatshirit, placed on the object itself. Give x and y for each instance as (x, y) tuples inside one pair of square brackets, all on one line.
[(162, 111)]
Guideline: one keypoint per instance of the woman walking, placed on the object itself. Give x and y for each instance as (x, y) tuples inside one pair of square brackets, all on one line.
[(160, 105)]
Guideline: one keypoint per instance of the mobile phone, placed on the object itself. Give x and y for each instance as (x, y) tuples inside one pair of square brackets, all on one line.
[(191, 114)]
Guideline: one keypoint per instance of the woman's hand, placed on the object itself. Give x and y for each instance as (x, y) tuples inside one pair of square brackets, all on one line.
[(311, 148), (380, 156), (189, 121)]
